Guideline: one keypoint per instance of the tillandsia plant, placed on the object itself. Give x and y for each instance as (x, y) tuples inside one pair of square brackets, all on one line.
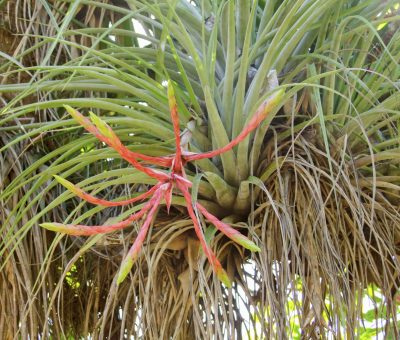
[(166, 183), (316, 187)]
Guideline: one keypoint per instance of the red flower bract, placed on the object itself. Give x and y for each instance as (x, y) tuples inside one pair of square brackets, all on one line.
[(175, 178)]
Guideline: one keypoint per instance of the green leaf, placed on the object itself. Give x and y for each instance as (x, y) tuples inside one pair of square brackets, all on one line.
[(225, 193)]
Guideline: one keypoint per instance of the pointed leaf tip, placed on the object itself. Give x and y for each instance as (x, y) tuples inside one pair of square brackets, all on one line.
[(171, 96), (245, 242), (125, 268), (58, 227), (277, 97), (170, 88), (67, 184), (103, 127), (46, 225), (61, 180), (223, 277), (280, 94), (96, 120), (71, 111), (76, 115), (253, 247), (68, 108)]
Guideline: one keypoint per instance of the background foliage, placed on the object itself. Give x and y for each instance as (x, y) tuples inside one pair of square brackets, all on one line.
[(317, 186)]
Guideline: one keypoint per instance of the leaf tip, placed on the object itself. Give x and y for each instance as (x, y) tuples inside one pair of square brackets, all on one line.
[(68, 108), (67, 184), (246, 243), (102, 126), (76, 115), (125, 268), (170, 87), (71, 110), (276, 97), (93, 117), (223, 277), (58, 227), (62, 180), (171, 94)]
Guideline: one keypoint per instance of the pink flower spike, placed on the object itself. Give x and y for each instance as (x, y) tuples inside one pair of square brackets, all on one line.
[(113, 141), (133, 253), (215, 264), (177, 164), (255, 121), (232, 233), (84, 230), (92, 199), (168, 196)]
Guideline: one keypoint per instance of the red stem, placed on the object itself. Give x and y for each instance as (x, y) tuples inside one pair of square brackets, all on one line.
[(125, 152), (84, 230), (210, 255), (134, 250), (92, 199), (221, 226), (258, 117)]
